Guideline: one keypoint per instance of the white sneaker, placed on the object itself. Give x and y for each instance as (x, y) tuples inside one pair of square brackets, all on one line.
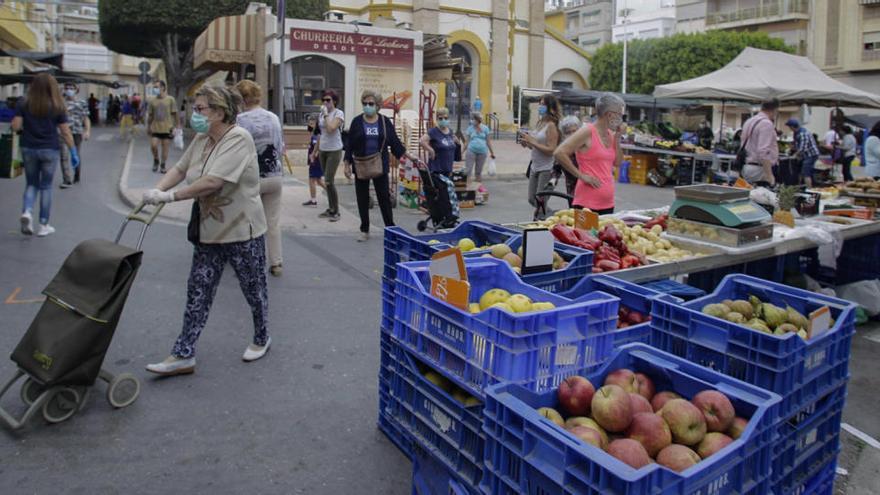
[(254, 352), (363, 237), (27, 223), (45, 229), (173, 365)]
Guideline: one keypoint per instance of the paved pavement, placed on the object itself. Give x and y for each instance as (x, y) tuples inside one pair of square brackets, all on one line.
[(302, 420)]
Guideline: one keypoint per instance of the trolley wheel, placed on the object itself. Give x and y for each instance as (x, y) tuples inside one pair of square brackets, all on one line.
[(422, 225), (123, 390), (63, 404), (30, 391)]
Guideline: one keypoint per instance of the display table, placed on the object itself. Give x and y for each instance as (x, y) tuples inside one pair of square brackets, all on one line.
[(716, 159)]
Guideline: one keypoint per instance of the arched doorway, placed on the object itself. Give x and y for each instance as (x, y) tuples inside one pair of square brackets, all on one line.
[(306, 78), (460, 100)]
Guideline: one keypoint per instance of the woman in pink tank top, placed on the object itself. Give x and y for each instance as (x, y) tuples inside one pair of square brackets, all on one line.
[(597, 150)]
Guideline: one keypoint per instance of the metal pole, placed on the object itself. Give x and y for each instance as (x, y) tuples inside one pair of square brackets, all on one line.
[(519, 105), (279, 76), (721, 127)]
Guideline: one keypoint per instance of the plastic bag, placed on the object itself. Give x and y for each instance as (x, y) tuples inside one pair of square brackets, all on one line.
[(491, 168), (865, 293), (178, 139)]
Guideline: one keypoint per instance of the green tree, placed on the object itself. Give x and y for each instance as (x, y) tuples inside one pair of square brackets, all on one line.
[(167, 29), (672, 59)]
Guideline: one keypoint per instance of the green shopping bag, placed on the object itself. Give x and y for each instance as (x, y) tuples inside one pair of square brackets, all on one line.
[(10, 157)]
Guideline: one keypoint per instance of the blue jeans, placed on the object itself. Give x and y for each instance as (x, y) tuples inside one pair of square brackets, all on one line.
[(39, 168), (808, 166)]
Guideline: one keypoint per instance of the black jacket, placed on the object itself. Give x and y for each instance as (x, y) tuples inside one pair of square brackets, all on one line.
[(357, 141)]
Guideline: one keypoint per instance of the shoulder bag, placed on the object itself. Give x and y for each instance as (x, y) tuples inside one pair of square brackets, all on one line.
[(193, 232), (370, 166), (741, 156)]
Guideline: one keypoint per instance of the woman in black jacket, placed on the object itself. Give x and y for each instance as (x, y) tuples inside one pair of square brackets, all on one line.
[(366, 135)]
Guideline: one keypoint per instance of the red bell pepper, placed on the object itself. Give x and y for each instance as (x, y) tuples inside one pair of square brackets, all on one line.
[(564, 234), (608, 265), (629, 261)]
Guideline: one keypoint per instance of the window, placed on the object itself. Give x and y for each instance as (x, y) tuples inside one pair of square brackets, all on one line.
[(590, 42), (590, 18), (649, 33), (561, 84), (871, 41)]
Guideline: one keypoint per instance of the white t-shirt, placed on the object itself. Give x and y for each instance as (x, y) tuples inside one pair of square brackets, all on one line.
[(331, 141), (830, 138)]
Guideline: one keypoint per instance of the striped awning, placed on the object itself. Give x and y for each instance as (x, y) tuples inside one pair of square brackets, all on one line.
[(227, 42), (869, 2)]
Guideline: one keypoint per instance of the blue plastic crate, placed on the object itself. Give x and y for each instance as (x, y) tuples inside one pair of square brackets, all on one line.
[(780, 364), (432, 477), (820, 484), (858, 260), (676, 289), (772, 269), (537, 350), (528, 454), (389, 419), (401, 246), (433, 418), (580, 264), (808, 440)]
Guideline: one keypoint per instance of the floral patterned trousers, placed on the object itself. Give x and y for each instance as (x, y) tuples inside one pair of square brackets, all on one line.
[(248, 260)]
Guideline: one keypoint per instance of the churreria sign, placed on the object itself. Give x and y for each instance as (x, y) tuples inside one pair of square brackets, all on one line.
[(382, 51)]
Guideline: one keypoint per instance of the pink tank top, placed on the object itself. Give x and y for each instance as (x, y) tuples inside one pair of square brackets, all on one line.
[(598, 161)]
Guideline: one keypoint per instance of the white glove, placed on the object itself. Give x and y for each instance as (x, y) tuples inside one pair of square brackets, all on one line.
[(156, 196)]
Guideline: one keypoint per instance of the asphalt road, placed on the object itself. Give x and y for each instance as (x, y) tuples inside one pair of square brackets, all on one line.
[(301, 420)]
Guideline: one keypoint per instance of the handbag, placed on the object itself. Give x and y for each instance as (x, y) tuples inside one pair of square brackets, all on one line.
[(193, 232), (457, 157), (370, 166), (741, 156)]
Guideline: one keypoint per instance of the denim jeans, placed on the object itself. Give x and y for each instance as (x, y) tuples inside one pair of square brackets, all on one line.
[(39, 168)]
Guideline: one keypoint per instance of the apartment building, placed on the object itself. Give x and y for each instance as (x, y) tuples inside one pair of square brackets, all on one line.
[(643, 19), (586, 23), (845, 41)]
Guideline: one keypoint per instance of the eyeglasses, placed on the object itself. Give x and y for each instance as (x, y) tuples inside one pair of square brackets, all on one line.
[(200, 108), (327, 99), (368, 103)]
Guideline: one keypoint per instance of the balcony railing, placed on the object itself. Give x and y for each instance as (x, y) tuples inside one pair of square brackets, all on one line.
[(768, 10), (870, 55)]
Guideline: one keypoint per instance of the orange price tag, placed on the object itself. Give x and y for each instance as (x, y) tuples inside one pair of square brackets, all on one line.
[(585, 219), (820, 322), (741, 184), (448, 263), (450, 290)]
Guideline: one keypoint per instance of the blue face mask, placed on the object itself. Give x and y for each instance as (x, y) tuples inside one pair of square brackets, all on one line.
[(443, 122), (542, 110), (369, 110), (199, 123)]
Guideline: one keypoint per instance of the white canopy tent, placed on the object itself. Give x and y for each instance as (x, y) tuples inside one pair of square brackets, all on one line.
[(758, 75)]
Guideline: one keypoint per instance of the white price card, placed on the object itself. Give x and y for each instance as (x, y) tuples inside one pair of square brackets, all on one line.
[(537, 247)]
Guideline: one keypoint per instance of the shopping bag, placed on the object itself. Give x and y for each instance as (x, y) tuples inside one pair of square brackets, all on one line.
[(10, 157), (492, 169), (178, 139)]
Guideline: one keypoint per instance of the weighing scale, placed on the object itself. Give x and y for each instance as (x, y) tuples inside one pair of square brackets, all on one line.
[(720, 214)]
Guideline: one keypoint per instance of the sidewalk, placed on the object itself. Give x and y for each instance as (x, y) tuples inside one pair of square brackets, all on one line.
[(137, 177)]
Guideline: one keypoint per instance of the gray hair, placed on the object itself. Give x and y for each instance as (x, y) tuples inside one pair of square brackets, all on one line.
[(570, 122), (223, 98), (477, 115), (609, 102)]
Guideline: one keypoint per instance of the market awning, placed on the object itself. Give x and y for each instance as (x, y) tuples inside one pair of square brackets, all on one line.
[(862, 120), (55, 59), (60, 76), (227, 43), (757, 75), (585, 97)]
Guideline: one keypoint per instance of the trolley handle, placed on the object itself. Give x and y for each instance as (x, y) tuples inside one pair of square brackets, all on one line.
[(147, 219), (544, 194)]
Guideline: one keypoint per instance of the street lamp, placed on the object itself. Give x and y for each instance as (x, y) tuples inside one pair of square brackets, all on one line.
[(624, 13)]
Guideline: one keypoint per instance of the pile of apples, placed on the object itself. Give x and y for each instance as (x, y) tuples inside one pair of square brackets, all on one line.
[(629, 421)]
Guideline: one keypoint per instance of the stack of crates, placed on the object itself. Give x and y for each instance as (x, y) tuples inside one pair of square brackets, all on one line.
[(639, 167), (810, 375)]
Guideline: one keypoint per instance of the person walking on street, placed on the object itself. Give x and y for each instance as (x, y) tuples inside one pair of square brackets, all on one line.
[(81, 127), (265, 129), (478, 145), (849, 145), (316, 176), (440, 142), (93, 108), (542, 141), (760, 143), (596, 147), (567, 126), (872, 152), (370, 136), (39, 117), (229, 223), (806, 150), (126, 123), (330, 151), (162, 121)]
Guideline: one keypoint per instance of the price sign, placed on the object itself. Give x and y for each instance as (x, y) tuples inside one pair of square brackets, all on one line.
[(449, 278), (820, 322), (537, 251), (586, 220)]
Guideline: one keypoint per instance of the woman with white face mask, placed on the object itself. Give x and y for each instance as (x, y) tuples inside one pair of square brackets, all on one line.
[(597, 150), (542, 141), (227, 226)]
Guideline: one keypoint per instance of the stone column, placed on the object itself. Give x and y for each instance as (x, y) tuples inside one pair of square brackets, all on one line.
[(536, 45), (261, 68), (426, 15), (499, 49)]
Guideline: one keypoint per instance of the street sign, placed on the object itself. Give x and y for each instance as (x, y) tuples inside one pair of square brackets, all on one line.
[(144, 78), (144, 67)]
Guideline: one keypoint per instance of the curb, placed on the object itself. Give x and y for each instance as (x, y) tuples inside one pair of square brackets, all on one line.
[(123, 178)]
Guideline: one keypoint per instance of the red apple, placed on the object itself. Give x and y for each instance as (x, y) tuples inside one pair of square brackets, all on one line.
[(677, 457), (551, 414), (623, 378), (645, 386), (686, 422), (712, 443), (630, 452), (661, 398), (639, 404), (737, 427), (716, 408), (651, 431), (571, 423), (611, 408), (588, 435), (575, 394)]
